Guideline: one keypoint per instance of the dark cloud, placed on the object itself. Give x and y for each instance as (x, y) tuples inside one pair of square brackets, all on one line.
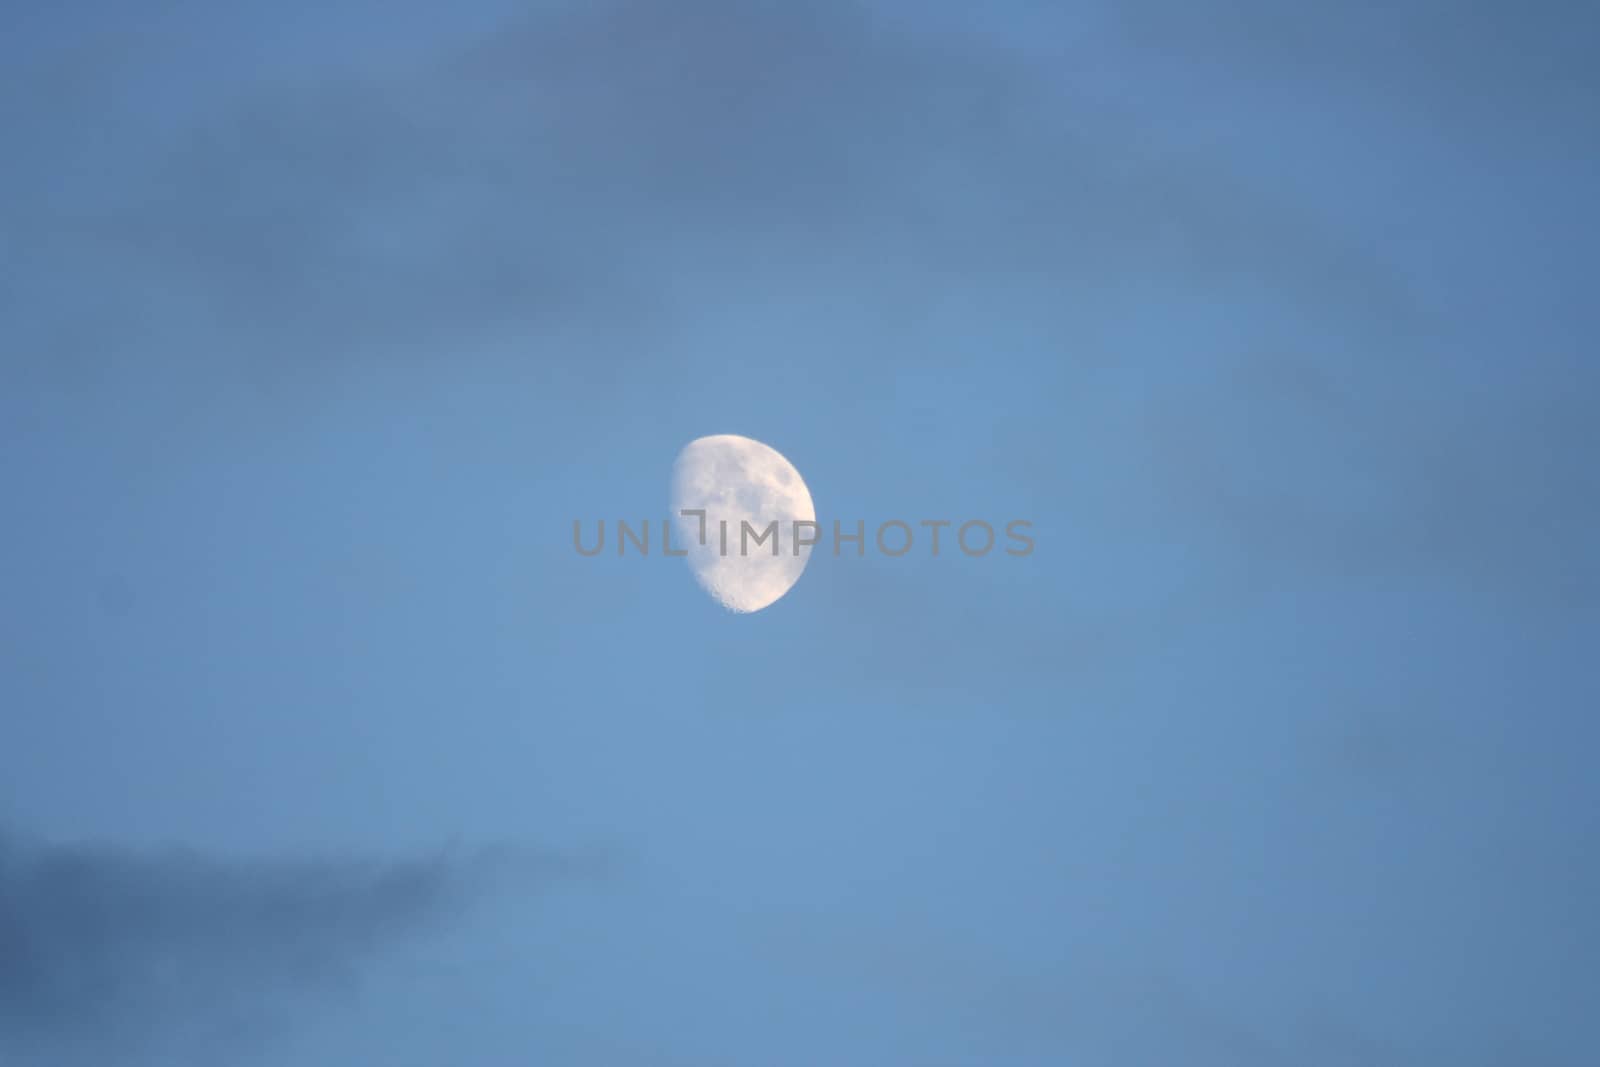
[(561, 173), (147, 951)]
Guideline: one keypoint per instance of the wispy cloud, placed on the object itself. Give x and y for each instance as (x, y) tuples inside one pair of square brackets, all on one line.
[(561, 172), (155, 952)]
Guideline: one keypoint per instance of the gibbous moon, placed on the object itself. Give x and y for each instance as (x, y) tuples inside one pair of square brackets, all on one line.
[(735, 480)]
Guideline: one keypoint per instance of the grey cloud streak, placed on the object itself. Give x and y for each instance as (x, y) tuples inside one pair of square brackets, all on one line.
[(556, 174), (152, 952)]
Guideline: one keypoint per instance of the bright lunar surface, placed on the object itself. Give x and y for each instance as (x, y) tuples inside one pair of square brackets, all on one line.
[(735, 480)]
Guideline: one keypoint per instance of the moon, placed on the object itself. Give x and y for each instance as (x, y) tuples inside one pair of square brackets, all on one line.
[(737, 480)]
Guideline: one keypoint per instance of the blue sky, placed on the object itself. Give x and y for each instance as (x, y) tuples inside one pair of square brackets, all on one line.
[(320, 324)]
